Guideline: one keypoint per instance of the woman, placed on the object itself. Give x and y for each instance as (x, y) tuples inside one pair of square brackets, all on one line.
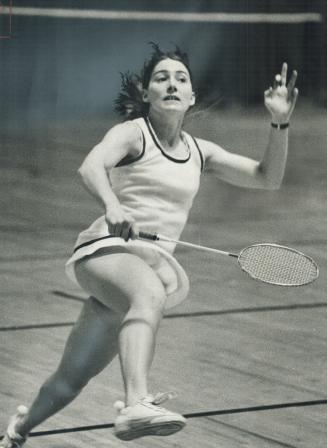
[(145, 174)]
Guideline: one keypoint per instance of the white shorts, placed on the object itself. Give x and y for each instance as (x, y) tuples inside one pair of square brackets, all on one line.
[(170, 272)]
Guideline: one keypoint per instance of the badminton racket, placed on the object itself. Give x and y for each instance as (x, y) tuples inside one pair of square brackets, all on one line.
[(267, 262)]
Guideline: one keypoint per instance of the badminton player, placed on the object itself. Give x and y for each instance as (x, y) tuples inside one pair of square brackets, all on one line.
[(145, 174)]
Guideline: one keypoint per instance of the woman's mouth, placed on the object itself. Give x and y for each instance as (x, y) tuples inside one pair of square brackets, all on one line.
[(171, 98)]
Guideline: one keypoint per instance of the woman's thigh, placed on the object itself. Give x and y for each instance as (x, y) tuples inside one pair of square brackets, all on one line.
[(120, 280)]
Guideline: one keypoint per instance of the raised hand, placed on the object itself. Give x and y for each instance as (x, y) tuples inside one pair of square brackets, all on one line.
[(281, 98)]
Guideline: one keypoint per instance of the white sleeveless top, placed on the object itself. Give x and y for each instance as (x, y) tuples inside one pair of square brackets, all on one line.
[(155, 189)]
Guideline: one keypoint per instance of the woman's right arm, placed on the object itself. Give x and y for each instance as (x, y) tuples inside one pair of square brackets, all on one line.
[(122, 140)]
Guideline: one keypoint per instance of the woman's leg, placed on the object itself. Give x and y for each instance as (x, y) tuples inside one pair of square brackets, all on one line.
[(128, 285), (92, 344), (132, 299)]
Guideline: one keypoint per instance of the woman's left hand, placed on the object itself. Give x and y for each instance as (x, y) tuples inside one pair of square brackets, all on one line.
[(281, 98)]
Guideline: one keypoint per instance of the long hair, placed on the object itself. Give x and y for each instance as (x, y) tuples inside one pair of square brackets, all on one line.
[(129, 102)]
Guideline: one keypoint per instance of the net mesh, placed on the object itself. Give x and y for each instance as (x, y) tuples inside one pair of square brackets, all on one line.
[(278, 265)]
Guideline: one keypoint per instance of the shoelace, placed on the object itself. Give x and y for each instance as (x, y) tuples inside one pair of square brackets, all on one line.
[(161, 397), (150, 401)]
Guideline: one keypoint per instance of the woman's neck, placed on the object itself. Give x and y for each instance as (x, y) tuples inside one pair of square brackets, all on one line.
[(167, 128)]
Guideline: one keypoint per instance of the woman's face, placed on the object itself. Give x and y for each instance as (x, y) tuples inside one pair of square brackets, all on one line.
[(170, 87)]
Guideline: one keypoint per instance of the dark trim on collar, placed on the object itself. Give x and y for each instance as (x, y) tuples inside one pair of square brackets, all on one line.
[(200, 153), (156, 142)]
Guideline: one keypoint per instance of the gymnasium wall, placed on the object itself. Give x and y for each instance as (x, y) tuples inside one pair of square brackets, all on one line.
[(69, 67)]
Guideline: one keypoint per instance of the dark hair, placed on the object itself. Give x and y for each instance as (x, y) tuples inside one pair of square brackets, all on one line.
[(129, 102), (159, 55)]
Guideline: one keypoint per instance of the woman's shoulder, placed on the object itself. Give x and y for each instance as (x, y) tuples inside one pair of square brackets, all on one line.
[(127, 130), (207, 147), (126, 135)]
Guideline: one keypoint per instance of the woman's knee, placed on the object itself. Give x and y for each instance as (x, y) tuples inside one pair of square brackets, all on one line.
[(149, 299), (101, 312)]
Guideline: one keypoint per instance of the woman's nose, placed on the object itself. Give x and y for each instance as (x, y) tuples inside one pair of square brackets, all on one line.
[(171, 87)]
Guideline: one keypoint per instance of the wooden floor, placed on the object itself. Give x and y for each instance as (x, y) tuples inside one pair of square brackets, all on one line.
[(234, 344)]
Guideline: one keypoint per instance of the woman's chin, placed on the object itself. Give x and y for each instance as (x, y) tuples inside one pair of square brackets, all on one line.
[(172, 107)]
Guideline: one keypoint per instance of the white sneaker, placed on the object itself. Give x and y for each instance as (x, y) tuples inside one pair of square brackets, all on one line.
[(12, 439), (146, 418)]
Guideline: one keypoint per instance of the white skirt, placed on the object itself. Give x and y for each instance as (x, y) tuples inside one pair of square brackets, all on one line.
[(169, 271)]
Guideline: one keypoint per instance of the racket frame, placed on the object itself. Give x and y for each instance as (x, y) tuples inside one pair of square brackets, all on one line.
[(290, 249)]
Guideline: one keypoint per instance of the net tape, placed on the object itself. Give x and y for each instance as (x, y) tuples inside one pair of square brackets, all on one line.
[(278, 265)]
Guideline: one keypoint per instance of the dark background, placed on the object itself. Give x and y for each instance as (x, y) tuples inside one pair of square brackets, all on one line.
[(54, 69)]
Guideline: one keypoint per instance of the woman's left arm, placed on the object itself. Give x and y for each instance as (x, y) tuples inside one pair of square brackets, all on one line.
[(268, 173)]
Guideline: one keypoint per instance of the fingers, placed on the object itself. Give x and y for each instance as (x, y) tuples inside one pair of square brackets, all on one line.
[(292, 101), (125, 231), (292, 81), (122, 229), (291, 84), (281, 81), (283, 74), (277, 81), (295, 94), (280, 99)]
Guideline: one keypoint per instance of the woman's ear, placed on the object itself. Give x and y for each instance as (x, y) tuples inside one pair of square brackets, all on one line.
[(193, 98)]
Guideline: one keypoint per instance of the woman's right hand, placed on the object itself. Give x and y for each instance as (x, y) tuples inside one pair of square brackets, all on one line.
[(120, 225)]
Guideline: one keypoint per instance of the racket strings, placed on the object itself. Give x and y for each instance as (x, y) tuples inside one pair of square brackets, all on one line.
[(278, 265)]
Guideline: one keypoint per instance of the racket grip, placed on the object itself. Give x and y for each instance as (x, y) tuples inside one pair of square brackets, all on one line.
[(148, 236)]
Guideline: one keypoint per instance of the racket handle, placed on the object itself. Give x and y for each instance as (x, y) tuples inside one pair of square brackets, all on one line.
[(148, 236), (159, 237)]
